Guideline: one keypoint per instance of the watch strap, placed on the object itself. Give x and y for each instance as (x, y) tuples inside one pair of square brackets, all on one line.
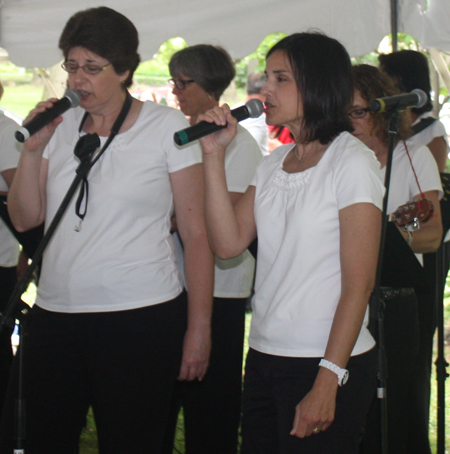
[(342, 374)]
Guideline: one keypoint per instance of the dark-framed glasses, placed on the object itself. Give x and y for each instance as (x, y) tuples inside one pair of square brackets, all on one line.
[(358, 113), (72, 68), (179, 83)]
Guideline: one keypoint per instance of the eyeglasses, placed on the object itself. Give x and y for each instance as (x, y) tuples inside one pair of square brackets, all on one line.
[(72, 68), (358, 113), (179, 83)]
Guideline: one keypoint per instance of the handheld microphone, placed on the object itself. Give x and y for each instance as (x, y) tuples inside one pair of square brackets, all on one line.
[(71, 99), (416, 98), (253, 109)]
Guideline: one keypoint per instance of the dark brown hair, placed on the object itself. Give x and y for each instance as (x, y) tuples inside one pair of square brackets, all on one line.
[(322, 71), (410, 70), (106, 33)]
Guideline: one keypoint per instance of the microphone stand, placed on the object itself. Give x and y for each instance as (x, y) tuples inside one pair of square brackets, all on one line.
[(441, 363), (376, 303), (84, 150)]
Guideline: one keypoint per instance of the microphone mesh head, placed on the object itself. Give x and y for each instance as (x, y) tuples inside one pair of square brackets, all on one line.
[(73, 96), (423, 98), (255, 107)]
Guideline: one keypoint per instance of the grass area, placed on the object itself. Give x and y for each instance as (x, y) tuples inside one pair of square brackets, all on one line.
[(433, 423), (88, 439), (20, 99)]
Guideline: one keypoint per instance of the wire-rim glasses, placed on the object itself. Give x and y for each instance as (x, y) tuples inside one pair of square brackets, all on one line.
[(72, 68)]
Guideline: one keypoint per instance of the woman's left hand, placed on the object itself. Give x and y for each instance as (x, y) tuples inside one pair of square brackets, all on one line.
[(315, 412), (196, 349)]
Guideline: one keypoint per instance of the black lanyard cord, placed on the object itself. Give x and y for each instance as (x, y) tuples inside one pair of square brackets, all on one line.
[(84, 189)]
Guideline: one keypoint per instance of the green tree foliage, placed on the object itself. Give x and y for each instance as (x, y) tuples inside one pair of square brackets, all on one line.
[(156, 71), (405, 41), (259, 56)]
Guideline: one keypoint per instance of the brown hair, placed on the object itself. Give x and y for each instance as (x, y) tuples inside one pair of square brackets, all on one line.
[(108, 34), (371, 84)]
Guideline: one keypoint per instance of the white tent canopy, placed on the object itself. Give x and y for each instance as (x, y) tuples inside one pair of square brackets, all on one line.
[(29, 29)]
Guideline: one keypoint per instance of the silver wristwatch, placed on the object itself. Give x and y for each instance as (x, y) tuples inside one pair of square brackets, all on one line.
[(342, 374)]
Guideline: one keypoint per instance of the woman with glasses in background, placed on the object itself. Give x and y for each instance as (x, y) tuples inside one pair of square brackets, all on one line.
[(414, 175), (212, 407), (372, 130), (410, 70), (112, 327)]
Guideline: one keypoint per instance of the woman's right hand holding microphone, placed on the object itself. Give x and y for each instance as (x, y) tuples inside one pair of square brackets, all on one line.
[(218, 142)]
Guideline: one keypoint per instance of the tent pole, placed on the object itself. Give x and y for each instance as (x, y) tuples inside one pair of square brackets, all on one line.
[(394, 24)]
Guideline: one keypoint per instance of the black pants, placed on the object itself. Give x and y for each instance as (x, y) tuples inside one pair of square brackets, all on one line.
[(8, 280), (212, 408), (274, 385), (122, 363), (401, 332), (418, 413)]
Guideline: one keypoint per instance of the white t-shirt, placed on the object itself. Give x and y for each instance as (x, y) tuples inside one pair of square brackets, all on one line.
[(424, 137), (123, 257), (257, 127), (403, 185), (9, 157), (233, 278), (298, 277)]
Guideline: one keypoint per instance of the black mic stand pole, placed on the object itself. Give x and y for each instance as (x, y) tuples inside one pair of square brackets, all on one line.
[(441, 363), (376, 303), (84, 150)]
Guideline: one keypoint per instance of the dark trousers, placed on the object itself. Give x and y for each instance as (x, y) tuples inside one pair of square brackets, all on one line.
[(8, 280), (274, 385), (123, 364), (419, 393), (401, 332), (212, 408), (418, 413)]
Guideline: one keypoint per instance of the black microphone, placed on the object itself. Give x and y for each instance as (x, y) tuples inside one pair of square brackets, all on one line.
[(416, 98), (253, 109), (71, 99)]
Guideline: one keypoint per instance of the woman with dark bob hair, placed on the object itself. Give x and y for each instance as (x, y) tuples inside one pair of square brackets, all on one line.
[(112, 327), (315, 206), (412, 166), (212, 407), (410, 70)]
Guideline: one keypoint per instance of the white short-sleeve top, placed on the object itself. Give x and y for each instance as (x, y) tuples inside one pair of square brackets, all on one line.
[(298, 277), (123, 257), (9, 157)]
